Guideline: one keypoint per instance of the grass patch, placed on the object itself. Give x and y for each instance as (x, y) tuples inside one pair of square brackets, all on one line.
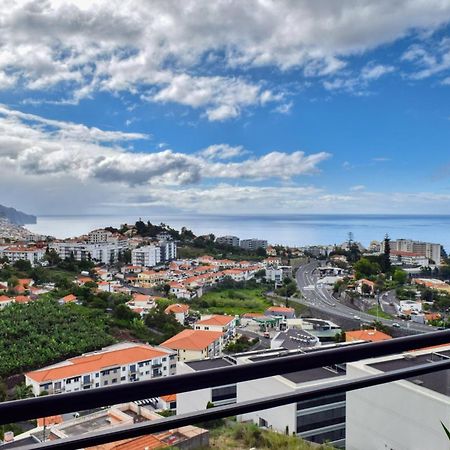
[(232, 301), (242, 436), (376, 310)]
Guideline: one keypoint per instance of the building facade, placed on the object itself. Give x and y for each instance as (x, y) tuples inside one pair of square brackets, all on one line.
[(148, 256), (231, 241), (123, 363), (253, 244)]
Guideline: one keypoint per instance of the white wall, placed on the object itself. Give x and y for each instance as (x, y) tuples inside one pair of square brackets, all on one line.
[(397, 416), (277, 418)]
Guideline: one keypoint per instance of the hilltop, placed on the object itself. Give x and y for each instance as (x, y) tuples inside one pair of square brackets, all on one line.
[(16, 217)]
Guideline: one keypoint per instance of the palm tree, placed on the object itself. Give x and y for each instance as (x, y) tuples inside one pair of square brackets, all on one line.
[(23, 391)]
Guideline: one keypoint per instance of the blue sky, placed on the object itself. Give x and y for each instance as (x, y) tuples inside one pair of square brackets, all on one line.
[(218, 107)]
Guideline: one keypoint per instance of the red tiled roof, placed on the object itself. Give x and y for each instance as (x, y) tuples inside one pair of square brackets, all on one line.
[(366, 335), (216, 320), (192, 339), (95, 362), (177, 308)]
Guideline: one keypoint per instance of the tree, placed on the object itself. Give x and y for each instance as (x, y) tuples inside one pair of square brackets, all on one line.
[(23, 265), (400, 276), (23, 391), (365, 268), (385, 259)]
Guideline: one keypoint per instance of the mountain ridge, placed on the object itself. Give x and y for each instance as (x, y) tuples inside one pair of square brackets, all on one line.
[(16, 217)]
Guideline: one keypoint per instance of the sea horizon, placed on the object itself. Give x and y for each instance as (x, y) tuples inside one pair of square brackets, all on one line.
[(285, 229)]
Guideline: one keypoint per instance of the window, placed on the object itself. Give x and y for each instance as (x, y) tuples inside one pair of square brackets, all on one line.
[(114, 380), (105, 383), (223, 393), (123, 378)]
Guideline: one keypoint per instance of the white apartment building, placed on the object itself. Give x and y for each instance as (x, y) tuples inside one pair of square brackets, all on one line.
[(232, 241), (168, 250), (122, 363), (13, 253), (427, 249), (148, 256), (253, 244), (274, 274), (101, 236), (403, 415), (106, 253)]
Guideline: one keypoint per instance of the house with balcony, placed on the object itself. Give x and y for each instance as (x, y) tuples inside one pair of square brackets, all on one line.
[(117, 364), (195, 344), (221, 323)]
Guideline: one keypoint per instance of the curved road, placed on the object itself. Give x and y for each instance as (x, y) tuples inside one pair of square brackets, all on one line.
[(321, 298)]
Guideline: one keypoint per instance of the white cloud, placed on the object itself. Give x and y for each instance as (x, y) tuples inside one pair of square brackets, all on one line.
[(186, 54), (358, 188), (37, 146), (373, 72), (429, 58), (222, 151)]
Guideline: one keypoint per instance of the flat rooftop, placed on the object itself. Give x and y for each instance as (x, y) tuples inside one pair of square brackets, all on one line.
[(206, 364), (436, 381)]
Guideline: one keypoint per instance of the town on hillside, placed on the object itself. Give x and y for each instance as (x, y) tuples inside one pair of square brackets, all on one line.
[(143, 301)]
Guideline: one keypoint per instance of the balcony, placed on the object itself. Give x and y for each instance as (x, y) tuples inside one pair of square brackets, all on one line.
[(16, 411)]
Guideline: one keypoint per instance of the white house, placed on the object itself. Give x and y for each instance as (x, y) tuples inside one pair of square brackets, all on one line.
[(179, 310), (221, 323)]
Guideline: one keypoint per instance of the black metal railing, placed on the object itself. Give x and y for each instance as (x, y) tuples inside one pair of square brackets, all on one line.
[(62, 403)]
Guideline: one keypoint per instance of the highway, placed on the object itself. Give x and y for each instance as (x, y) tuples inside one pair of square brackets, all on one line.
[(321, 298)]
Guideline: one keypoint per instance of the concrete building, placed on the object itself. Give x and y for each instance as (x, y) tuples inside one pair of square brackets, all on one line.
[(403, 415), (121, 363), (318, 420), (427, 249), (231, 241), (191, 345), (168, 250), (293, 339), (253, 244), (148, 256), (274, 274), (104, 252), (16, 253), (198, 400), (101, 236)]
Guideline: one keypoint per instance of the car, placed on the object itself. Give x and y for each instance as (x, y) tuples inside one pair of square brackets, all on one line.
[(266, 335), (333, 304), (357, 317), (396, 325), (441, 328)]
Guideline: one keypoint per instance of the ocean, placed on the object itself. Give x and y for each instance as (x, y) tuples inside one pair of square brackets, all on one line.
[(294, 230)]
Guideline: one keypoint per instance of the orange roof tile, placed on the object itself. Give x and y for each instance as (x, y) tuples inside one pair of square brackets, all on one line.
[(22, 299), (169, 398), (366, 335), (50, 420), (95, 362), (177, 308), (149, 442), (69, 298), (216, 320), (192, 339), (4, 298), (280, 309)]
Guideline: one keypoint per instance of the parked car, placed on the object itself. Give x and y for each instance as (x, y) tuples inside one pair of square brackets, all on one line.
[(396, 325)]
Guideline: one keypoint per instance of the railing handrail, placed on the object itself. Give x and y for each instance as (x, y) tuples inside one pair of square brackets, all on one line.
[(155, 426), (31, 408)]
